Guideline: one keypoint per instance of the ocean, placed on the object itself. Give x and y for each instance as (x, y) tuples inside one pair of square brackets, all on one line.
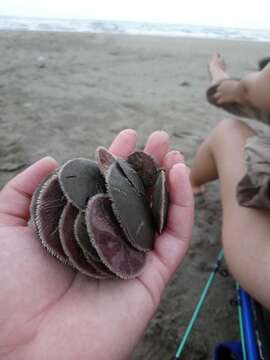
[(138, 28)]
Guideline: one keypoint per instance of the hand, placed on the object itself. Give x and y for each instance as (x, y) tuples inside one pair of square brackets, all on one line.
[(47, 311), (230, 91)]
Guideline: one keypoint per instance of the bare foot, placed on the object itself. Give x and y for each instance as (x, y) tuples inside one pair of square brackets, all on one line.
[(230, 91), (217, 68)]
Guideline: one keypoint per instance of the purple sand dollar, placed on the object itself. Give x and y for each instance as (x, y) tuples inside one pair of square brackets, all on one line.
[(109, 240), (70, 246), (83, 239), (49, 207), (145, 166)]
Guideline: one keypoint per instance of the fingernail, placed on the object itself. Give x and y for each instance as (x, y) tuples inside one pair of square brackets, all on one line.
[(162, 132), (130, 131), (50, 158), (180, 165), (178, 155)]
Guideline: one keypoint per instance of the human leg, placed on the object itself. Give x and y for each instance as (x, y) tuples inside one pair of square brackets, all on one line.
[(229, 90), (250, 91), (246, 231)]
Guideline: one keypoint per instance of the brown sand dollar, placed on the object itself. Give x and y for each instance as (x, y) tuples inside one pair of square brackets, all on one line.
[(145, 166), (160, 201), (131, 210), (80, 179)]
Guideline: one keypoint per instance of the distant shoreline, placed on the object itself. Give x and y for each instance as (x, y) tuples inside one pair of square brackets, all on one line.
[(136, 36), (131, 28)]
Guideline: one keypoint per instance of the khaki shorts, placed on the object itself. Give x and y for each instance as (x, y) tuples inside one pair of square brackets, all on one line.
[(254, 188)]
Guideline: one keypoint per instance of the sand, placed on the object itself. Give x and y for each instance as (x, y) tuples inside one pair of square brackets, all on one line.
[(65, 94)]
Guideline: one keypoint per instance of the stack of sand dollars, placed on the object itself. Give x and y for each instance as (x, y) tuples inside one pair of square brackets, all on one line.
[(100, 217)]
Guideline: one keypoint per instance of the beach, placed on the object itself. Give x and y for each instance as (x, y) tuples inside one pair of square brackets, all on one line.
[(64, 94)]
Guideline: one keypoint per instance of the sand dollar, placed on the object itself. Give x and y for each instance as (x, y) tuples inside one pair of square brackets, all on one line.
[(131, 209), (70, 246), (50, 203), (160, 201), (109, 240), (80, 179), (145, 166)]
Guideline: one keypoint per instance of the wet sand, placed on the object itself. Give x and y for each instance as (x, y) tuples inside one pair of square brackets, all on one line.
[(64, 94)]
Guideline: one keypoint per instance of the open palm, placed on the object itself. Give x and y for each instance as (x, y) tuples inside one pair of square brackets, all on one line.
[(48, 311)]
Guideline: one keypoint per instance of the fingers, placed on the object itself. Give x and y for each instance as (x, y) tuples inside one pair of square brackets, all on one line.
[(218, 95), (158, 145), (124, 143), (171, 246), (16, 196), (227, 92), (173, 243), (179, 186)]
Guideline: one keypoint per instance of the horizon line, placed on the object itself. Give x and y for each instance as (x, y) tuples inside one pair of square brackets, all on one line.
[(132, 21)]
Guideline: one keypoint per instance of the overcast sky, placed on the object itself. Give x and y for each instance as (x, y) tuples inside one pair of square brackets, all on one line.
[(239, 13)]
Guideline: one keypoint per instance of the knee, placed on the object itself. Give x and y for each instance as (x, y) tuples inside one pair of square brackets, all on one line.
[(232, 125), (230, 128)]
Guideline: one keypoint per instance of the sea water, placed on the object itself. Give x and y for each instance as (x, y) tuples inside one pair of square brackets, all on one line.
[(138, 28)]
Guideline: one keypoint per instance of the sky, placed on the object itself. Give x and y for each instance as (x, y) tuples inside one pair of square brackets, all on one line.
[(235, 13)]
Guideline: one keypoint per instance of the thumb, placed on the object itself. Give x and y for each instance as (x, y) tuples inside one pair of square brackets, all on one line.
[(16, 195)]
